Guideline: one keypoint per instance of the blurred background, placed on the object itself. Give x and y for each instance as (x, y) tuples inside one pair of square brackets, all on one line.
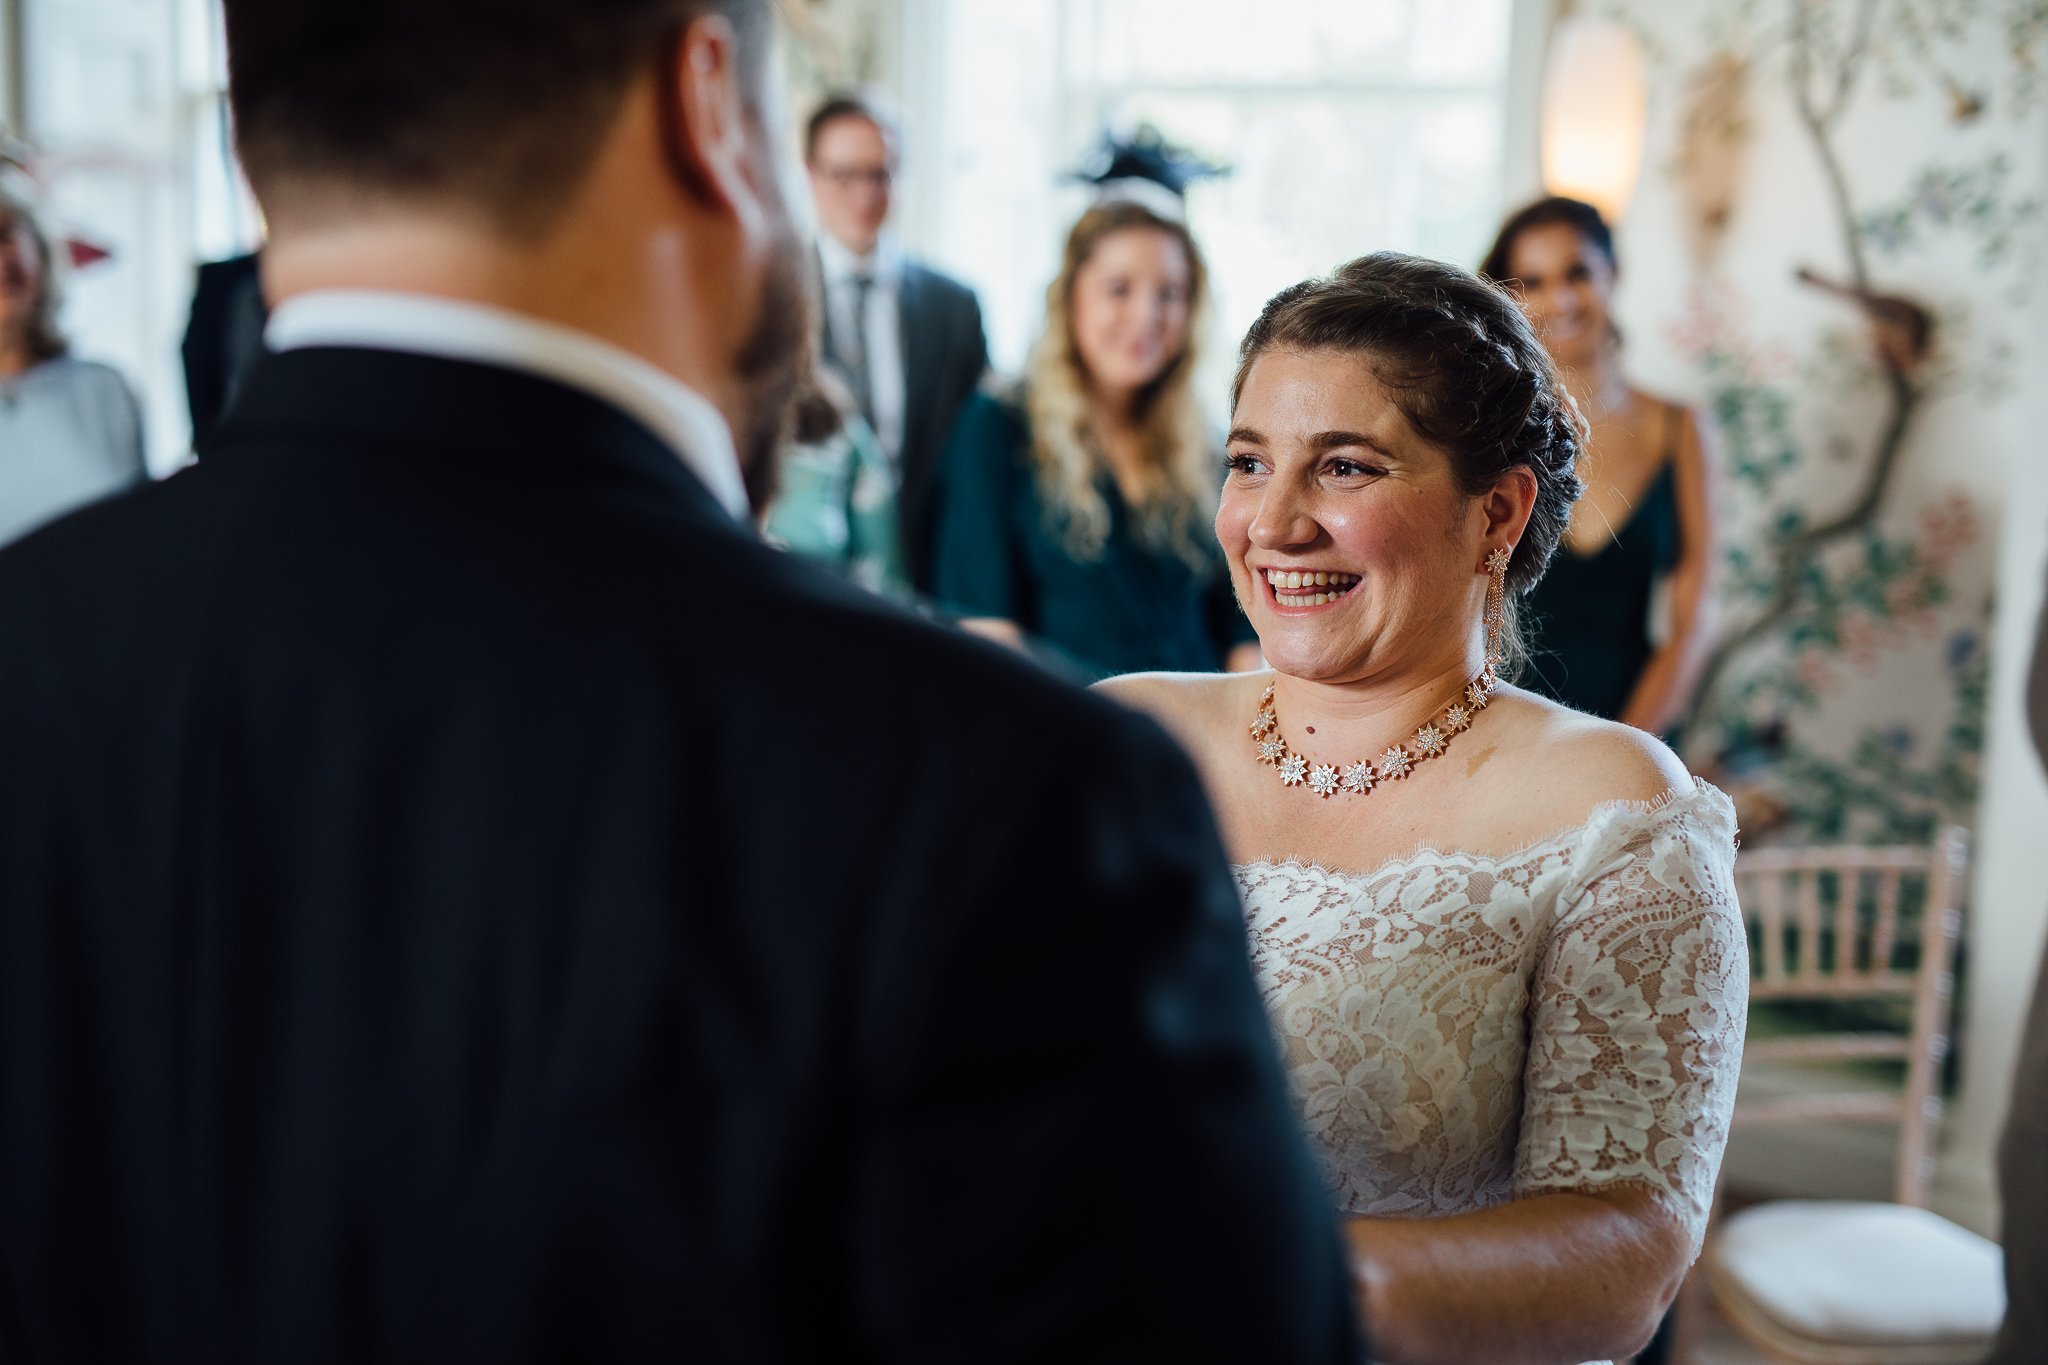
[(1886, 519)]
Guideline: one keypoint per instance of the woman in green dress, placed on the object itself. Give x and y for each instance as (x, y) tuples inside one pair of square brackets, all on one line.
[(1075, 510)]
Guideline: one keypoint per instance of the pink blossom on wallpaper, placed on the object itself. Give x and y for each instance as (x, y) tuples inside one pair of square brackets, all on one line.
[(1814, 671), (1715, 322), (1947, 528), (1714, 330), (1905, 597), (1858, 636)]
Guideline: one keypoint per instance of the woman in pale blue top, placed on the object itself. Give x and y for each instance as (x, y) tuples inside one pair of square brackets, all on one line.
[(70, 430)]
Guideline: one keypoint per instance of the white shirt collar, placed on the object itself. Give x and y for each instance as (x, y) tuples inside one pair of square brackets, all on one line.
[(839, 264), (421, 324)]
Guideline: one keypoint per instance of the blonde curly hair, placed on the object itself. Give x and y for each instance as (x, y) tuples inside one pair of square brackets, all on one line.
[(1177, 497)]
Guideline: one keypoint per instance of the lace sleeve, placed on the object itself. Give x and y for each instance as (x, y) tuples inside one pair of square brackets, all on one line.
[(1637, 1012)]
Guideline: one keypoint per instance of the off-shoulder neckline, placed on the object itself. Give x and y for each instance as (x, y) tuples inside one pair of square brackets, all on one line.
[(1674, 800)]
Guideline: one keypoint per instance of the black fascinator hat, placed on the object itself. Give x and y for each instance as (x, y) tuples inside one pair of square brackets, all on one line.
[(1119, 163)]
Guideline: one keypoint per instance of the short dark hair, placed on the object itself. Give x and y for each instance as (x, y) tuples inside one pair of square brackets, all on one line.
[(1554, 211), (846, 104), (497, 103), (1464, 366)]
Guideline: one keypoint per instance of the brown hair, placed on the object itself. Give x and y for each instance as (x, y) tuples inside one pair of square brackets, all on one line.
[(1555, 211), (497, 104), (847, 105), (45, 341), (1178, 501), (1463, 364)]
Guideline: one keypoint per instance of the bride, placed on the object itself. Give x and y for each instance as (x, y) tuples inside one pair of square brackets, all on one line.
[(1497, 938)]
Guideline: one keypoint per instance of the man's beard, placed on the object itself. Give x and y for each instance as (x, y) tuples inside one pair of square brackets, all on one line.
[(772, 363)]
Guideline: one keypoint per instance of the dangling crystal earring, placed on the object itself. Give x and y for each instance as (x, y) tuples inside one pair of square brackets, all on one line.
[(1496, 614)]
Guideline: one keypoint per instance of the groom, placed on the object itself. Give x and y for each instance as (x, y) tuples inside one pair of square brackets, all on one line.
[(463, 898)]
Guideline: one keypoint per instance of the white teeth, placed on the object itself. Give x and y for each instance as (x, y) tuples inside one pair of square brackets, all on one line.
[(1309, 578), (1286, 579)]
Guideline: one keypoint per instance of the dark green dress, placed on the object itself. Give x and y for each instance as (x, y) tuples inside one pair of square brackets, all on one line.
[(1589, 615), (1136, 607)]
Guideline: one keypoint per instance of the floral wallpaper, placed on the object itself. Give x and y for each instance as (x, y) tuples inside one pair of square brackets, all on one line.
[(1833, 250), (828, 46)]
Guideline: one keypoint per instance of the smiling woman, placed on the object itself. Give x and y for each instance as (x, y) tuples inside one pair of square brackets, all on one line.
[(1074, 509), (1648, 517), (1497, 937)]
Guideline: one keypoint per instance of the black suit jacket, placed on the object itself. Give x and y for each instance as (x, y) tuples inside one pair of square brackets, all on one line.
[(945, 354), (464, 898), (223, 338)]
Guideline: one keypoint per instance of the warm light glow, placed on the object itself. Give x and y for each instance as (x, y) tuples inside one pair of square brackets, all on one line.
[(1595, 98)]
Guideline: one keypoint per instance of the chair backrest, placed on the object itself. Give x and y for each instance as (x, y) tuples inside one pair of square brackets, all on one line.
[(1827, 924)]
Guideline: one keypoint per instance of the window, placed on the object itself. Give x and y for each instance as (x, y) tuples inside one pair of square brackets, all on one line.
[(1352, 126), (124, 101)]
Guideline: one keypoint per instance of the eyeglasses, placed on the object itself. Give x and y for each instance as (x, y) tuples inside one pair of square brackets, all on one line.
[(846, 177)]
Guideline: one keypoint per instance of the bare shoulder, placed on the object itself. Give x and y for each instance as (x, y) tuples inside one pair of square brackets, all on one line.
[(1194, 707), (1574, 763), (1618, 761), (1696, 436)]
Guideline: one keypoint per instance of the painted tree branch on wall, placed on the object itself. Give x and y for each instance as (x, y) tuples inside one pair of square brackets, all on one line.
[(1903, 393), (1847, 703)]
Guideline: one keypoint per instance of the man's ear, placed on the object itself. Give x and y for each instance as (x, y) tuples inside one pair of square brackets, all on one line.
[(704, 119)]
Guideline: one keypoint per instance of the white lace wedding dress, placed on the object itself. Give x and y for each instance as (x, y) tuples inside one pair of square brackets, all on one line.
[(1462, 1030)]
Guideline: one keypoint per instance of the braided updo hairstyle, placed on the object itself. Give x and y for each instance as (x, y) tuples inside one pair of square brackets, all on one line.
[(1466, 370)]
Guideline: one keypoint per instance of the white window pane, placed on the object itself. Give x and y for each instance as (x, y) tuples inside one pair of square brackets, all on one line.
[(1353, 125), (1461, 41), (1327, 42)]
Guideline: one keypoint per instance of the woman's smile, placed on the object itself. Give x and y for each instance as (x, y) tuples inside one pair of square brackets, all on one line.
[(1300, 591)]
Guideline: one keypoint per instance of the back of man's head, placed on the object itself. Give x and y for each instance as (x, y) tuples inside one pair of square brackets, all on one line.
[(494, 106)]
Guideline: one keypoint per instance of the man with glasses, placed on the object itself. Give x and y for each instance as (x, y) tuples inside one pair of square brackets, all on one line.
[(907, 339)]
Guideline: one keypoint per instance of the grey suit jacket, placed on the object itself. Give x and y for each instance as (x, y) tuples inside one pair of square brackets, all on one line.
[(2037, 686), (944, 357)]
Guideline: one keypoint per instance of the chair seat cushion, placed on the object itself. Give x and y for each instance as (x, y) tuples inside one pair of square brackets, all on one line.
[(1833, 1272)]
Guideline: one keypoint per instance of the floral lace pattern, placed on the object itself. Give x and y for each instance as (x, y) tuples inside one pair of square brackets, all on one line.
[(1460, 1030)]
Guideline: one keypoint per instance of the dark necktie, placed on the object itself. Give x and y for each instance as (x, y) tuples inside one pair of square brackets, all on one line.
[(854, 350)]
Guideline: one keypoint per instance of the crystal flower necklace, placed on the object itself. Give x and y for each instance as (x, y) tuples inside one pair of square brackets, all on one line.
[(1430, 739)]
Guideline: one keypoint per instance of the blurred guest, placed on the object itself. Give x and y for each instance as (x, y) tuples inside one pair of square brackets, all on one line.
[(907, 339), (70, 430), (835, 499), (223, 337), (1077, 506), (2022, 1172), (1648, 516)]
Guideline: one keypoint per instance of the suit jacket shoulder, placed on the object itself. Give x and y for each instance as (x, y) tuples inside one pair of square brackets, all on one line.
[(521, 910), (937, 285)]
